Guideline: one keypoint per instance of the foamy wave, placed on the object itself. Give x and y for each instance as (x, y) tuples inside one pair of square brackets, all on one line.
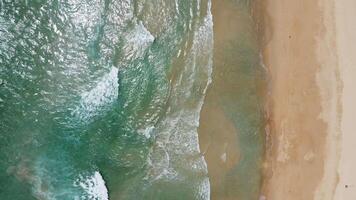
[(94, 186), (100, 97), (85, 14), (137, 41), (176, 154)]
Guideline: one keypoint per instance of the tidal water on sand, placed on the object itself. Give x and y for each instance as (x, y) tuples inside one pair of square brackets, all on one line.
[(232, 123), (100, 99)]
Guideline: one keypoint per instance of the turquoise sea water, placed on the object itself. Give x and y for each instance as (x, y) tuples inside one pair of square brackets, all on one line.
[(100, 99)]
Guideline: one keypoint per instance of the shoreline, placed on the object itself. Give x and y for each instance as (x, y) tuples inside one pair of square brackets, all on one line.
[(304, 103), (232, 117), (309, 108)]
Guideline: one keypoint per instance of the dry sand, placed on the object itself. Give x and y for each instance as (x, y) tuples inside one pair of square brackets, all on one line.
[(346, 45), (310, 53)]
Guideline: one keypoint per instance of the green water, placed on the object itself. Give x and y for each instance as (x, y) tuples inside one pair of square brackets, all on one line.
[(243, 102), (100, 99), (235, 98)]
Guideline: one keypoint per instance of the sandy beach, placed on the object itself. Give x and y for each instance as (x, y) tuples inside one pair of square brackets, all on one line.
[(310, 54), (295, 149), (307, 48), (346, 38)]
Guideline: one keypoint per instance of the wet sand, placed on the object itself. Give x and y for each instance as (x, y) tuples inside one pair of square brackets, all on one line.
[(305, 51), (297, 134), (308, 49)]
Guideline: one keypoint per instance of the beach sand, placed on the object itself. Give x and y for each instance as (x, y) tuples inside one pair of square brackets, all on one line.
[(310, 54), (295, 149), (346, 40), (308, 49)]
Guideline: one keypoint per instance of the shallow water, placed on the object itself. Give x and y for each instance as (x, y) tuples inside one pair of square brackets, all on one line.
[(101, 99), (233, 118)]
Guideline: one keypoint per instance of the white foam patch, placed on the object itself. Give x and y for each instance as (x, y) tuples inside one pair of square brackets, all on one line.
[(95, 187), (100, 97), (177, 142), (204, 190), (137, 41), (86, 14), (147, 132)]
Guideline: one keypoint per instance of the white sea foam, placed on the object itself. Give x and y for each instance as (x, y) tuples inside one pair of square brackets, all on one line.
[(137, 41), (177, 139), (85, 14), (147, 132), (177, 6), (94, 186), (99, 98), (204, 190), (88, 14)]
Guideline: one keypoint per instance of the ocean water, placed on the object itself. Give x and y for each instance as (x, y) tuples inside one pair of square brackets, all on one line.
[(100, 99)]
